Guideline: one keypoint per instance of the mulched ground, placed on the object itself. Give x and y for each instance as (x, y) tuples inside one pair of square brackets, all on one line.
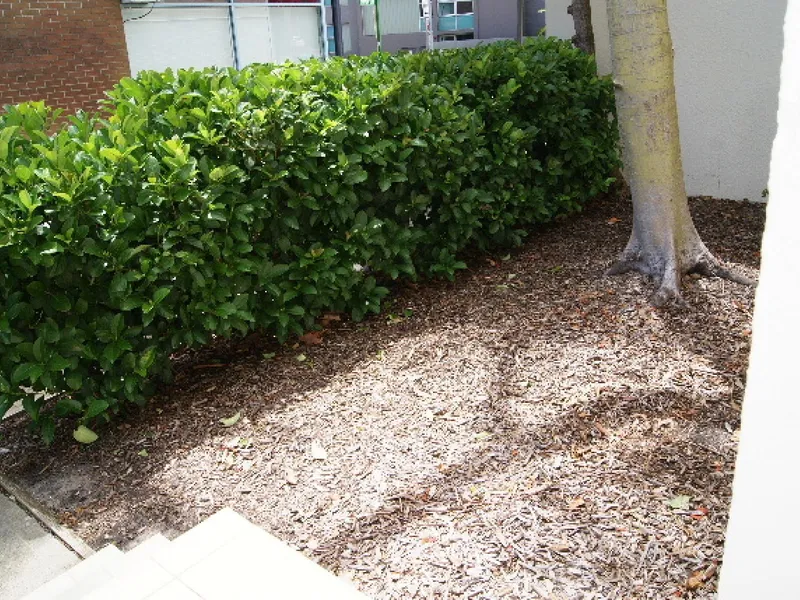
[(533, 429)]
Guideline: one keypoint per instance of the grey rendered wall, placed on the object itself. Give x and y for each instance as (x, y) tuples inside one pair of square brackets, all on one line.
[(727, 63), (534, 17), (449, 45), (496, 19), (409, 41)]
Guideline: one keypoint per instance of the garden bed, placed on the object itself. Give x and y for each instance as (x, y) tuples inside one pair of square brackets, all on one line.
[(532, 428)]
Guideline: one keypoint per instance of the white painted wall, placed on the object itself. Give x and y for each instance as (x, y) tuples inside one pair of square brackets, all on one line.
[(254, 34), (177, 38), (761, 553), (727, 62), (295, 33), (159, 38)]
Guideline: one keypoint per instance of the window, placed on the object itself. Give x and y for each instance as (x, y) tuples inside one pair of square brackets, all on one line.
[(331, 41), (422, 14), (454, 15), (347, 47), (457, 37), (455, 7)]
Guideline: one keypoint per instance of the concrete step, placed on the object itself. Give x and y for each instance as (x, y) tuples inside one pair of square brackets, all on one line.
[(152, 545), (136, 577), (241, 560), (110, 573), (84, 577), (187, 550), (225, 557)]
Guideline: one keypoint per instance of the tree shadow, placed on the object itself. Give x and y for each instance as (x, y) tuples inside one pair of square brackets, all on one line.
[(659, 456), (546, 299)]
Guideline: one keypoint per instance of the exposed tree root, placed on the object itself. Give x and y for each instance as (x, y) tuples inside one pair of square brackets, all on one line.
[(713, 268), (669, 273), (664, 243)]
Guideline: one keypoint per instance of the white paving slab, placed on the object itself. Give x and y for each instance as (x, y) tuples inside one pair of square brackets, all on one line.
[(177, 590), (29, 554), (86, 576)]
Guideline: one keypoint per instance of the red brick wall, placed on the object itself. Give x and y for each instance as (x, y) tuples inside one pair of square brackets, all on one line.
[(65, 52)]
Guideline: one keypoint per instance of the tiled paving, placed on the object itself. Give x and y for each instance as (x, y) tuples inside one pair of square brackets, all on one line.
[(224, 558), (29, 554)]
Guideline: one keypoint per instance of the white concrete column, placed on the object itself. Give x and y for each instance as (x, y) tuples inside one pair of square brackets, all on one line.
[(761, 551)]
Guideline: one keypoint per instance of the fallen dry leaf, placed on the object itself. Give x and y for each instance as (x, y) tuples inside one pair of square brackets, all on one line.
[(696, 580), (312, 338), (680, 502), (576, 503), (329, 318), (614, 221), (601, 429), (699, 578), (231, 421)]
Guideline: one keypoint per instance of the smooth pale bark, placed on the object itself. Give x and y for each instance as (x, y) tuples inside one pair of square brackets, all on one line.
[(664, 244), (581, 11)]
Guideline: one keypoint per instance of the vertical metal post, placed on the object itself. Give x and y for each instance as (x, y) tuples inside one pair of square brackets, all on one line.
[(234, 34), (323, 20), (427, 14), (336, 15), (378, 25), (520, 20)]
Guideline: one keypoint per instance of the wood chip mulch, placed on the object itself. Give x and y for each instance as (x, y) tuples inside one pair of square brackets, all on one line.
[(534, 429)]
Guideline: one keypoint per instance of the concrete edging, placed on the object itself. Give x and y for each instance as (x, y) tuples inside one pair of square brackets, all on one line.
[(38, 511)]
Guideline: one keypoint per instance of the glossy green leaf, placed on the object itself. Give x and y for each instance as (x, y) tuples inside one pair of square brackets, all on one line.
[(84, 435)]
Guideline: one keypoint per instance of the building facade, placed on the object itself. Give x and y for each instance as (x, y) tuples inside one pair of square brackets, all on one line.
[(70, 52), (454, 22)]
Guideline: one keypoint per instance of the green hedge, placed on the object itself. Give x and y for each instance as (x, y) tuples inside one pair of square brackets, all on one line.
[(218, 202)]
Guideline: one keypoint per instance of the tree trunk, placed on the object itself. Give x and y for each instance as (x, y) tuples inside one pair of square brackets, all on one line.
[(581, 11), (664, 244)]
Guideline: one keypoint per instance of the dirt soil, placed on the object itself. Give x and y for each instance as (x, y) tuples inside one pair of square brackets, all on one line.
[(534, 429)]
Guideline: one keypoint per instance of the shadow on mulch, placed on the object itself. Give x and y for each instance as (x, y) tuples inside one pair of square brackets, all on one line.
[(531, 372)]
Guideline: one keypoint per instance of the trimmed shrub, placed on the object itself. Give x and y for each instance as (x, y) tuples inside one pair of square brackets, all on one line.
[(218, 202)]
